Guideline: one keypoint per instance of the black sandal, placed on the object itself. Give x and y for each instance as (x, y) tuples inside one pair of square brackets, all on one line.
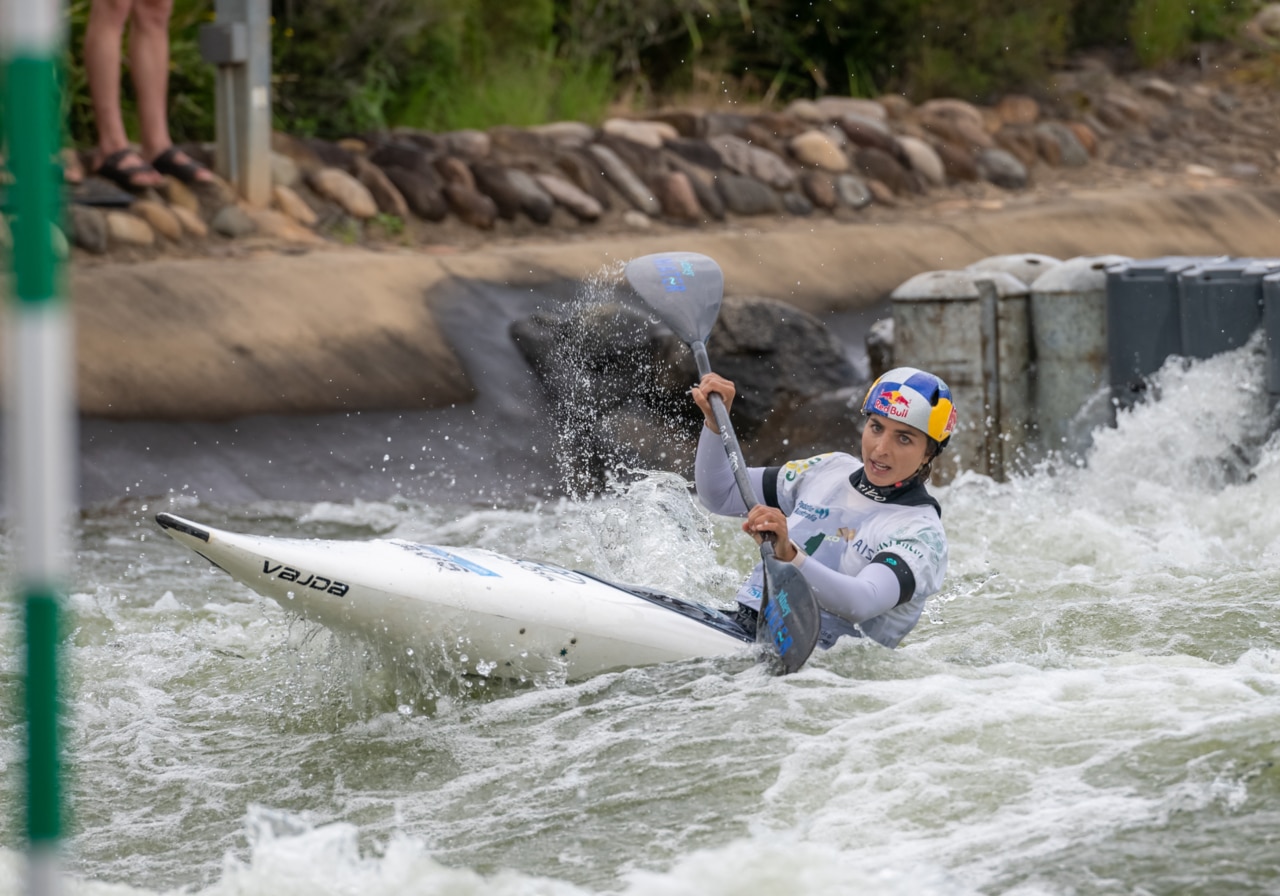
[(125, 176), (187, 171)]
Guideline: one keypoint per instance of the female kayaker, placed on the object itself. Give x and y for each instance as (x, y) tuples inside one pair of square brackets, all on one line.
[(865, 534)]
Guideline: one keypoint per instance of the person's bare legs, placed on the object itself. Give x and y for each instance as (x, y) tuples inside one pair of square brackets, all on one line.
[(149, 59), (102, 39)]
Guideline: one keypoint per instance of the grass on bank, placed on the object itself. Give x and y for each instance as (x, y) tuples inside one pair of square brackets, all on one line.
[(343, 67)]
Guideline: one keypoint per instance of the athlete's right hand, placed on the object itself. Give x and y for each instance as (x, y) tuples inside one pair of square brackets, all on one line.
[(701, 393)]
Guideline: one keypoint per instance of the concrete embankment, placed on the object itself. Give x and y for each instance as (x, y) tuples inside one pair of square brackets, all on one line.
[(339, 330)]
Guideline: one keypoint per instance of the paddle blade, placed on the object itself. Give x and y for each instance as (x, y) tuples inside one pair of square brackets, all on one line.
[(790, 620), (683, 288)]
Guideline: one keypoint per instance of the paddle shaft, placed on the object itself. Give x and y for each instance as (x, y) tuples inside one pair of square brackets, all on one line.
[(730, 440)]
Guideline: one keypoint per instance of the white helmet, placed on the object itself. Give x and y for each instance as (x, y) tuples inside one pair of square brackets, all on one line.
[(916, 398)]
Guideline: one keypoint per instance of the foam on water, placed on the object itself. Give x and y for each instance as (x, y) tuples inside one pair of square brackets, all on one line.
[(1089, 707)]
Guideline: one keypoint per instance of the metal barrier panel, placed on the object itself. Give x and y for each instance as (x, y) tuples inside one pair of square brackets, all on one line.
[(938, 327), (1070, 377), (1221, 304)]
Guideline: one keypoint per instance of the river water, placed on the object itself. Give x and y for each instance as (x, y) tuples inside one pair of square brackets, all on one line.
[(1091, 706)]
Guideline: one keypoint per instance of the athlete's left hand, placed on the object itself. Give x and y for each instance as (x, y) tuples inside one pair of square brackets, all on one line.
[(763, 519)]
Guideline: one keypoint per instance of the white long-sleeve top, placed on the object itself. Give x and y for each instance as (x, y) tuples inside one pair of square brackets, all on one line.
[(872, 556)]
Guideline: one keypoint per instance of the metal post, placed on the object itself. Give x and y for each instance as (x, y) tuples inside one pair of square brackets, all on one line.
[(239, 43), (989, 327), (39, 423)]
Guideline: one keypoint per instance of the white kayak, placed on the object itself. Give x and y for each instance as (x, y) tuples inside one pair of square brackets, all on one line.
[(477, 610)]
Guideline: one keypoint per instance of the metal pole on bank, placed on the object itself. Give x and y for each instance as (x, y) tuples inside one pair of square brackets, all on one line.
[(39, 416)]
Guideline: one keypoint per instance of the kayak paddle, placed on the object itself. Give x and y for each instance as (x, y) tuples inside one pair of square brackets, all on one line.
[(684, 290)]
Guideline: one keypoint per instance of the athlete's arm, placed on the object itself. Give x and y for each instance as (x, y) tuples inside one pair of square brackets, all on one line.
[(878, 587), (713, 477)]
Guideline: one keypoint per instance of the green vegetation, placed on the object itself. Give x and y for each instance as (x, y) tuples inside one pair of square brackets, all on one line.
[(346, 67)]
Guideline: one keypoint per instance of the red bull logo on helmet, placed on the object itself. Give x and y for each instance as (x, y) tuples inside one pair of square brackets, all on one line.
[(893, 403)]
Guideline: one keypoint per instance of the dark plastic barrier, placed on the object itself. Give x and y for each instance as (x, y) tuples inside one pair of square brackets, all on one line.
[(1144, 320), (1221, 304), (1271, 324)]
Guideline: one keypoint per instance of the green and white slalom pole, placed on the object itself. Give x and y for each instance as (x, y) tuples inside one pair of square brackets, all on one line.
[(39, 414)]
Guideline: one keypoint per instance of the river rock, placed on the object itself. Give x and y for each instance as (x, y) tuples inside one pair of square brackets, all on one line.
[(796, 203), (492, 180), (806, 111), (1002, 169), (1120, 111), (386, 197), (834, 108), (1021, 141), (277, 225), (88, 228), (924, 160), (293, 205), (432, 144), (878, 165), (233, 222), (340, 187), (468, 144), (881, 194), (191, 222), (734, 152), (647, 133), (471, 206), (820, 187), (404, 154), (455, 171), (746, 195), (180, 195), (812, 425), (161, 219), (959, 163), (866, 132), (676, 196), (816, 149), (514, 146), (535, 202), (295, 150), (688, 124), (1017, 109), (284, 171), (699, 152), (584, 172), (897, 107), (1071, 153), (1158, 89), (768, 167), (718, 124), (124, 229), (956, 122), (332, 155), (644, 161), (625, 180), (566, 134), (703, 182), (853, 191), (421, 190), (1086, 135), (580, 204), (614, 363), (1267, 22)]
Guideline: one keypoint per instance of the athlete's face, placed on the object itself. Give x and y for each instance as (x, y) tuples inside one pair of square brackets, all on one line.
[(891, 451)]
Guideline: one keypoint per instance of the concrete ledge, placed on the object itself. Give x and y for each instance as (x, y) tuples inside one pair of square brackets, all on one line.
[(343, 330)]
